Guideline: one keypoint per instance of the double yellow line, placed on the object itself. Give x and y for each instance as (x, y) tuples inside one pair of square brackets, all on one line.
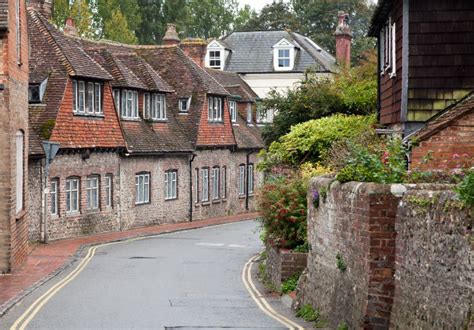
[(39, 303), (260, 299)]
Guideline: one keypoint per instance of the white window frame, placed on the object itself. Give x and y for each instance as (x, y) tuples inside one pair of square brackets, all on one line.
[(242, 180), (215, 56), (196, 185), (284, 57), (215, 105), (87, 97), (72, 195), (92, 192), (171, 184), (388, 49), (109, 190), (215, 178), (129, 104), (249, 113), (250, 174), (116, 95), (20, 161), (142, 188), (205, 184), (283, 45), (233, 111), (224, 182), (264, 116), (158, 108), (186, 102), (54, 184)]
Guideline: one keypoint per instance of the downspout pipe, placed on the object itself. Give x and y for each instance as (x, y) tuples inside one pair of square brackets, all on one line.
[(191, 159)]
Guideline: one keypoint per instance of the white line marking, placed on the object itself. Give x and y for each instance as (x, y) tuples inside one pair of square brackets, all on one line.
[(210, 244), (237, 246)]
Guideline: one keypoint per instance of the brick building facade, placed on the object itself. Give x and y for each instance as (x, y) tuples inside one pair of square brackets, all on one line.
[(13, 134), (147, 136)]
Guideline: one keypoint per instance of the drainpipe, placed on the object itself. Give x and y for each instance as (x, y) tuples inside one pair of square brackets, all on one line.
[(191, 187), (247, 180)]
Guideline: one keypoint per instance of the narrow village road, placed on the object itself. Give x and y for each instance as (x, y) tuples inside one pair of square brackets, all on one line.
[(183, 280)]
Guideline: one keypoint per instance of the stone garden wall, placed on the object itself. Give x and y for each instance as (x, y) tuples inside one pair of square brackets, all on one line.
[(388, 256), (283, 264)]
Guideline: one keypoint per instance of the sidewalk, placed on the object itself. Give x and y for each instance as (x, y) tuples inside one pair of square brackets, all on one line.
[(46, 260)]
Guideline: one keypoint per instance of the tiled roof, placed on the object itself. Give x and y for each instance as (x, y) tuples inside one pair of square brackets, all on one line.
[(247, 137), (444, 118), (379, 17), (3, 14), (252, 52), (75, 59), (234, 84)]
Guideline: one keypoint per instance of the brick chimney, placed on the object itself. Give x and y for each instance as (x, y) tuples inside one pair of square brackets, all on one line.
[(171, 36), (45, 7), (195, 48), (70, 27), (343, 36)]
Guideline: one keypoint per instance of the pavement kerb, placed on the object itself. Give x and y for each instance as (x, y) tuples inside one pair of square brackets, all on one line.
[(4, 308)]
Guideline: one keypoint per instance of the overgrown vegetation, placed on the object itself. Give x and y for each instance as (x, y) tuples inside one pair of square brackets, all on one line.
[(341, 265), (282, 203), (307, 313), (465, 189), (353, 92), (290, 284)]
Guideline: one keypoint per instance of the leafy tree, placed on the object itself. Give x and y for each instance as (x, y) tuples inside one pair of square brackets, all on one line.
[(318, 19), (107, 13), (244, 16), (116, 28), (275, 16), (80, 11), (353, 91), (209, 18)]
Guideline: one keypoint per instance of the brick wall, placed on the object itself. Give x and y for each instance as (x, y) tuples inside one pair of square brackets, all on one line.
[(14, 118), (356, 224), (434, 278), (408, 256), (457, 138), (283, 264)]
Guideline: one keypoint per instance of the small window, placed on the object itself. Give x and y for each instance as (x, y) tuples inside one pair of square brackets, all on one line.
[(116, 94), (215, 59), (171, 184), (72, 195), (388, 54), (249, 113), (264, 116), (129, 104), (92, 192), (215, 177), (154, 106), (34, 94), (54, 196), (215, 109), (20, 154), (142, 188), (224, 182), (250, 179), (233, 111), (283, 58), (87, 97), (108, 190), (242, 180), (205, 184), (184, 104)]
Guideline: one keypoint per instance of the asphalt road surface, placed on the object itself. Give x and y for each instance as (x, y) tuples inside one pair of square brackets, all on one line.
[(185, 280)]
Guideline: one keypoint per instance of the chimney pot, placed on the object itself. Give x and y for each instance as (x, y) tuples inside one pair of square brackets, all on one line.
[(343, 36), (70, 27), (171, 36)]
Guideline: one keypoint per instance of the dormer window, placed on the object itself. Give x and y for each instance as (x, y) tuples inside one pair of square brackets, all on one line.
[(388, 48), (87, 98), (154, 106), (126, 103), (215, 59), (215, 109), (283, 55)]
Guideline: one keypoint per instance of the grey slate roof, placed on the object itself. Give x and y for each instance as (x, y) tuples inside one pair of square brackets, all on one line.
[(252, 52), (3, 14)]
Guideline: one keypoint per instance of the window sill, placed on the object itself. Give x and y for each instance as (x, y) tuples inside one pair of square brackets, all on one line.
[(183, 113), (206, 203), (92, 211), (234, 124), (85, 115), (241, 196), (171, 199), (392, 75), (143, 203), (156, 120), (216, 201), (215, 121), (73, 214)]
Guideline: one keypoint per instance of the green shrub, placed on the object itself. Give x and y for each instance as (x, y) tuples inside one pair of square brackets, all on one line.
[(465, 189), (310, 141), (381, 162), (290, 284), (282, 203), (307, 313)]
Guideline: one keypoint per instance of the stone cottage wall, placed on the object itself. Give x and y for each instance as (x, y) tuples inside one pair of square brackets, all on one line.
[(383, 256), (434, 277)]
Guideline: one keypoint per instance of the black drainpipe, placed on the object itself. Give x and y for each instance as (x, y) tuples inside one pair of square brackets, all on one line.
[(247, 180), (191, 187)]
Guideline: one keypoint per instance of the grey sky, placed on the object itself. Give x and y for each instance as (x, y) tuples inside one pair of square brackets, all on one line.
[(259, 4)]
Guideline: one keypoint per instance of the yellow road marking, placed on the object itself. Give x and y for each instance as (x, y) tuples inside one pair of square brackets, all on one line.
[(261, 301)]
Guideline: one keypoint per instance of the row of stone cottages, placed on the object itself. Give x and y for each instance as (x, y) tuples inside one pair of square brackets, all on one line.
[(146, 135)]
